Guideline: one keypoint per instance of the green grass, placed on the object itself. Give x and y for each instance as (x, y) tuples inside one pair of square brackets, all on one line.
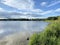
[(50, 36)]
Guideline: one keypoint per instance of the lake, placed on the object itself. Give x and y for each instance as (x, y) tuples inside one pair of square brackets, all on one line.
[(11, 27)]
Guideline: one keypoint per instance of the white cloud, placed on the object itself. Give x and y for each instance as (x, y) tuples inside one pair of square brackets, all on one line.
[(1, 17), (27, 5), (47, 12), (51, 12), (20, 4), (43, 3), (21, 16), (1, 31), (37, 10), (26, 13), (2, 10), (57, 10), (53, 4)]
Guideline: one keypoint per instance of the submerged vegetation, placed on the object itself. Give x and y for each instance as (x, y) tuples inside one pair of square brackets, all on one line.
[(50, 36)]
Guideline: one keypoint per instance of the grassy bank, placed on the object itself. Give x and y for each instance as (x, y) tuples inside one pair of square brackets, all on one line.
[(50, 36)]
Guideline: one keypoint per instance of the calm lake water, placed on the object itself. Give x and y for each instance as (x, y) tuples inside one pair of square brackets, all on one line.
[(10, 27)]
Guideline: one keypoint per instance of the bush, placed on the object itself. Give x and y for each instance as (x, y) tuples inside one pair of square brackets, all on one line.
[(50, 36)]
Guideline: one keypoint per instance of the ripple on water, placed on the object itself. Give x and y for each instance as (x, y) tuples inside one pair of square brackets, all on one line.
[(10, 27)]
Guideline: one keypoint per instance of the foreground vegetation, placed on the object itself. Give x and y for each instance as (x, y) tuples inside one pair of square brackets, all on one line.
[(50, 36)]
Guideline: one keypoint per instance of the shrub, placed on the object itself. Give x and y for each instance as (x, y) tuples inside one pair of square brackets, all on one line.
[(50, 36)]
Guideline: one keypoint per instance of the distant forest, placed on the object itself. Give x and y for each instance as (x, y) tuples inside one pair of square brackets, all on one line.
[(33, 19)]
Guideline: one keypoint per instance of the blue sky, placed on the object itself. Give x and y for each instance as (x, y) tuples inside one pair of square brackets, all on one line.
[(31, 8), (44, 4)]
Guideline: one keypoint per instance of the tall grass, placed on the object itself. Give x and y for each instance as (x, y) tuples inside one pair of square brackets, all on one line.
[(50, 36)]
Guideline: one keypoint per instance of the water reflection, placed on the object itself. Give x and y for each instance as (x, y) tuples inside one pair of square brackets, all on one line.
[(9, 27)]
